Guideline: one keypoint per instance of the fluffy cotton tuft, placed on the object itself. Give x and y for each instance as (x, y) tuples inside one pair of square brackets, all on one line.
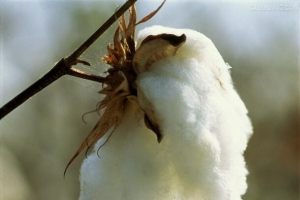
[(205, 128)]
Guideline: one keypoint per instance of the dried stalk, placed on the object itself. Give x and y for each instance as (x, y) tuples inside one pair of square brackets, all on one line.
[(64, 66)]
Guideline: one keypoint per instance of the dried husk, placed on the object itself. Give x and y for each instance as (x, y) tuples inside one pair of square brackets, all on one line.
[(126, 63)]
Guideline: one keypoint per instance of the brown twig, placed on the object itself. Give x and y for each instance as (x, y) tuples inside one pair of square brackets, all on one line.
[(64, 66)]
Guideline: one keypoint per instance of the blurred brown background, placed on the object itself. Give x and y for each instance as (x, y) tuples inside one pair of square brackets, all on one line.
[(259, 40)]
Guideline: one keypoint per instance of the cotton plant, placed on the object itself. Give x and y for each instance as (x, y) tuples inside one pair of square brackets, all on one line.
[(172, 124)]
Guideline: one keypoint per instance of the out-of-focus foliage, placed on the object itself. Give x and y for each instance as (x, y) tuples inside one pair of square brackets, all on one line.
[(39, 137)]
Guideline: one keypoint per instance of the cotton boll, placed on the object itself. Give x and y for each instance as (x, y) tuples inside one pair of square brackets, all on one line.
[(204, 124), (218, 108)]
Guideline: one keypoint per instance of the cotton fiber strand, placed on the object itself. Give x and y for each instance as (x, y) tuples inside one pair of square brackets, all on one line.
[(205, 127)]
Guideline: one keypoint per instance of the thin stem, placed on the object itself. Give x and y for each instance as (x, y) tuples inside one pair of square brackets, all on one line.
[(64, 66), (84, 75)]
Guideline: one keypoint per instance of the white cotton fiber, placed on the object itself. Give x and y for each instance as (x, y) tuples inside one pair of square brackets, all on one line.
[(205, 128)]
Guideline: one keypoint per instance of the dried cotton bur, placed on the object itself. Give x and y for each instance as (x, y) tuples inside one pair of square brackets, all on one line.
[(174, 83), (120, 83)]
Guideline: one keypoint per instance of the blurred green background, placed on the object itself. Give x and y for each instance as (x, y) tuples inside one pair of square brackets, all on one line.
[(259, 40)]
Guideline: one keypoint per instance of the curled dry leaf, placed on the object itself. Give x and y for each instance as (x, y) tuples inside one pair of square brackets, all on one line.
[(154, 48), (126, 63)]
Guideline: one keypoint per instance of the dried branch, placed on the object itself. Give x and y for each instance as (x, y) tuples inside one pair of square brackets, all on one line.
[(64, 66)]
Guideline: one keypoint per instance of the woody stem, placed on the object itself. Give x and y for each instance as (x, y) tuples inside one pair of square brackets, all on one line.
[(64, 66)]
